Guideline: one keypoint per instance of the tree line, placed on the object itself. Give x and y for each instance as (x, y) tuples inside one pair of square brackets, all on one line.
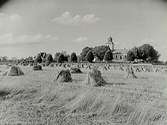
[(146, 53), (103, 53)]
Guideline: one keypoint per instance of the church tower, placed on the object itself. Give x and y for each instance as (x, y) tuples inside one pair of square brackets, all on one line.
[(110, 43)]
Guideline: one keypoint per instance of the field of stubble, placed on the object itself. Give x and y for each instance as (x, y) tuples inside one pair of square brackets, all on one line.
[(37, 99)]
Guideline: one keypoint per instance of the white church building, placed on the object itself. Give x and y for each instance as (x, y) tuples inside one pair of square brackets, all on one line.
[(118, 54)]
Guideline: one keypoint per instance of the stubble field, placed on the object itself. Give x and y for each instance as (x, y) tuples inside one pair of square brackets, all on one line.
[(36, 98)]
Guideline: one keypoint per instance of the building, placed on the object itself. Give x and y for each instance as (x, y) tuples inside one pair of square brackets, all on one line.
[(96, 59), (118, 54)]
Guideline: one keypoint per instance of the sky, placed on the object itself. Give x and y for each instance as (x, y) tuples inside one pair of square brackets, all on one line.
[(28, 27)]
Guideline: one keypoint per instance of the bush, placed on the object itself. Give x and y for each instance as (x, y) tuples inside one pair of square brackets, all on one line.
[(108, 56), (90, 56), (73, 57)]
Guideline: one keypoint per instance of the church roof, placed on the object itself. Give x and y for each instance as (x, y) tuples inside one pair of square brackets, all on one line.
[(121, 51)]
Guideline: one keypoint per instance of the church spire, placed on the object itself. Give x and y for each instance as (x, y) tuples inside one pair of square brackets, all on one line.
[(110, 43)]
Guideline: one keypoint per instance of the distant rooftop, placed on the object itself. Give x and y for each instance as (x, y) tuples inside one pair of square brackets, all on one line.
[(122, 51)]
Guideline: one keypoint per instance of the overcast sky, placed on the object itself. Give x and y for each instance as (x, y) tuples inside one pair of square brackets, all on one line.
[(30, 26)]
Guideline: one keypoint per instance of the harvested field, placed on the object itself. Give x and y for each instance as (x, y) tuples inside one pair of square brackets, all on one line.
[(35, 98)]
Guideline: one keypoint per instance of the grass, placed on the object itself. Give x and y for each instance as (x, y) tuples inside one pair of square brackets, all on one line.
[(36, 98)]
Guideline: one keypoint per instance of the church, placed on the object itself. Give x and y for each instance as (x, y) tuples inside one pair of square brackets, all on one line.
[(119, 55)]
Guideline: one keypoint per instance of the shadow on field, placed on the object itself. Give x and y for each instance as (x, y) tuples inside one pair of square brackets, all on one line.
[(4, 93), (116, 84), (18, 94)]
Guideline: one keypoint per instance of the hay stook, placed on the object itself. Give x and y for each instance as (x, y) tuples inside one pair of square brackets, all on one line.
[(64, 76), (37, 67), (75, 70), (94, 78), (130, 73), (13, 71)]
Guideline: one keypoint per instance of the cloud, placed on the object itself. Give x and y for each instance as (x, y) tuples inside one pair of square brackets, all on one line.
[(68, 19), (81, 39), (10, 39), (9, 22), (9, 17)]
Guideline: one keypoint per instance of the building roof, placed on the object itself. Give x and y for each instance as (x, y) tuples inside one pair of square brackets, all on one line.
[(121, 51)]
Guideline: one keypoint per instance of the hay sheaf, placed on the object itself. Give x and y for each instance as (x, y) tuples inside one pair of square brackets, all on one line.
[(64, 76), (130, 73), (37, 67), (13, 71), (75, 70), (94, 78), (52, 65)]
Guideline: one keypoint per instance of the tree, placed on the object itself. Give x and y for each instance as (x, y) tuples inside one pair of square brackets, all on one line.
[(100, 51), (133, 54), (108, 56), (43, 54), (148, 53), (145, 52), (73, 57), (64, 53), (49, 58), (79, 58), (165, 62), (130, 55), (60, 58), (66, 58), (136, 52), (38, 59), (4, 58), (84, 53), (56, 56), (90, 56)]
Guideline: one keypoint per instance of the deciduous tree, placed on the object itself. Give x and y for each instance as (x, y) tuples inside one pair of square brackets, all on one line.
[(90, 56)]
